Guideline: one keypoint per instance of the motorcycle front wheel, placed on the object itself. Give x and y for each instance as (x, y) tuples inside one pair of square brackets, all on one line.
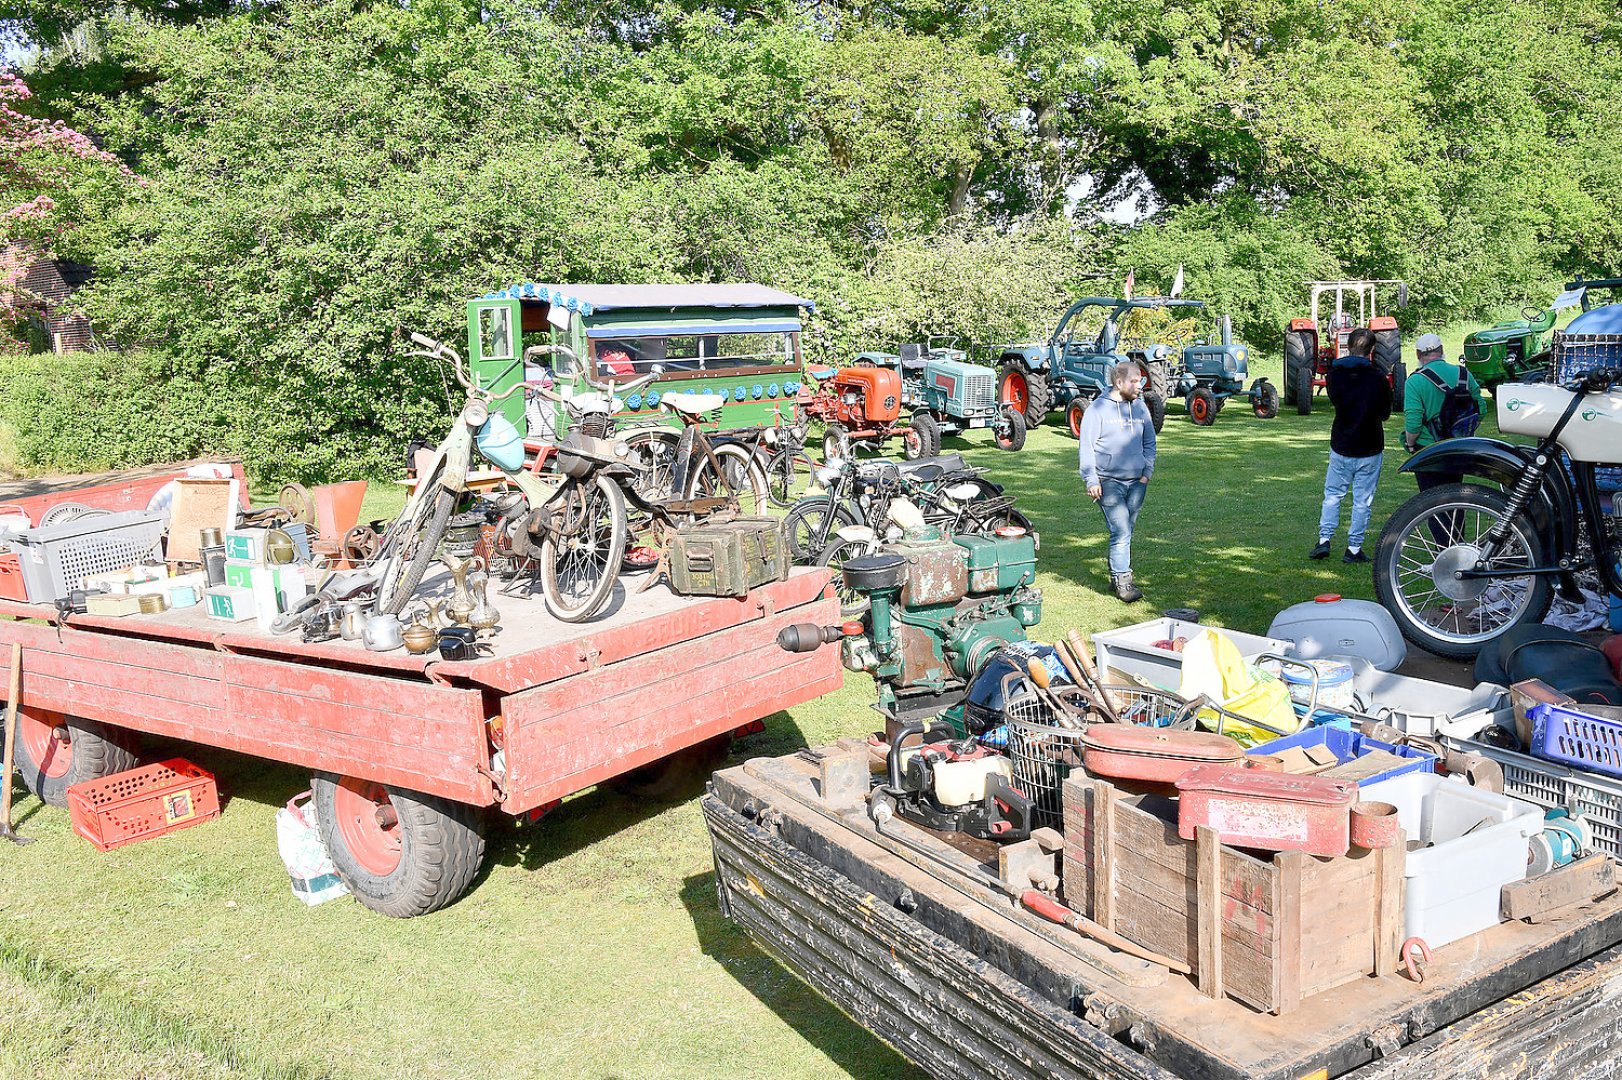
[(1437, 534), (580, 557)]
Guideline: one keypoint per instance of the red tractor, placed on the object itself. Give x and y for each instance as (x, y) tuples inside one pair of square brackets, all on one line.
[(862, 404), (1311, 345)]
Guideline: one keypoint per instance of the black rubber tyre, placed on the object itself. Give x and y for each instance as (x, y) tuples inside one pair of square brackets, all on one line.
[(679, 775), (987, 524), (1038, 394), (1157, 409), (1073, 416), (835, 442), (1303, 389), (1264, 400), (441, 847), (851, 604), (805, 520), (742, 478), (1202, 407), (417, 546), (93, 751), (1013, 438), (1399, 387), (1399, 570), (929, 436), (1388, 358), (1299, 358), (596, 566)]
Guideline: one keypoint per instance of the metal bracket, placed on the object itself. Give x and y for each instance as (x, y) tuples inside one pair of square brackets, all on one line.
[(590, 655), (1104, 1014), (496, 782), (1386, 1040)]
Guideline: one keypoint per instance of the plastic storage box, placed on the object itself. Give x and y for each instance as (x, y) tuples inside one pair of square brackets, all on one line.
[(1475, 843), (141, 803), (1423, 707), (1330, 625), (1552, 786), (1573, 737), (56, 559), (1348, 746), (1131, 649)]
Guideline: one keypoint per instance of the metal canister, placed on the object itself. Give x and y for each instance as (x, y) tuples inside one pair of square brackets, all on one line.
[(214, 562)]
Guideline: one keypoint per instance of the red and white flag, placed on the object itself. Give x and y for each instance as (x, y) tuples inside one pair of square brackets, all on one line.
[(1131, 280)]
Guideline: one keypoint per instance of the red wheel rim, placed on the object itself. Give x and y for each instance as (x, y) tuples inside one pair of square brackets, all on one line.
[(1015, 390), (1075, 422), (51, 756), (914, 442), (373, 844), (1199, 408)]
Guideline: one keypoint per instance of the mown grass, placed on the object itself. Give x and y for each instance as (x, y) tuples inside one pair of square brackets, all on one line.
[(593, 946)]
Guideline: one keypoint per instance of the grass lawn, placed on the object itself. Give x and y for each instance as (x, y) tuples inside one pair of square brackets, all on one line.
[(593, 946)]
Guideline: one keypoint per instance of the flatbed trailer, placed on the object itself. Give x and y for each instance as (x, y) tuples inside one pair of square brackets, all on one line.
[(409, 751), (965, 987)]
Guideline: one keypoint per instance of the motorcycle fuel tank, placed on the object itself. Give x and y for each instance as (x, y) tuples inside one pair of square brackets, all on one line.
[(1594, 434)]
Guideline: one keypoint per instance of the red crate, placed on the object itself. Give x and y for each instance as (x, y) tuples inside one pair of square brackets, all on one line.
[(12, 586), (142, 803)]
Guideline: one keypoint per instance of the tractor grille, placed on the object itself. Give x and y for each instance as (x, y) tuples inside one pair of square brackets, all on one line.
[(979, 391)]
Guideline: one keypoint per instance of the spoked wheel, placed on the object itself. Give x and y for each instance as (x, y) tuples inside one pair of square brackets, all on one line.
[(1428, 541), (783, 475), (834, 556), (411, 544), (989, 521), (740, 479), (54, 752), (835, 443), (653, 454), (581, 555), (400, 852), (811, 524)]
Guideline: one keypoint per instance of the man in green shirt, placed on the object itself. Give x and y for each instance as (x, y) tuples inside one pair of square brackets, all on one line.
[(1422, 404)]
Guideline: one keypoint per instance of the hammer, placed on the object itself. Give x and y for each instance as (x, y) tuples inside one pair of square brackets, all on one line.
[(12, 734)]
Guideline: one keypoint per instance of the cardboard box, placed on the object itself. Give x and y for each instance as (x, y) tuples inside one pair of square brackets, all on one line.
[(230, 603)]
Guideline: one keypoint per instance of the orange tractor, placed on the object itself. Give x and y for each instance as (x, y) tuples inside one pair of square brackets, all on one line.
[(862, 404), (1311, 344)]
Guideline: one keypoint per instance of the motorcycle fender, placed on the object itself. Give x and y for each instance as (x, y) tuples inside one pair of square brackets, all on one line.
[(1554, 507), (858, 533)]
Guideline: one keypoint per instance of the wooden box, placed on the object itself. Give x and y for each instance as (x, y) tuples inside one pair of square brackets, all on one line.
[(1267, 931)]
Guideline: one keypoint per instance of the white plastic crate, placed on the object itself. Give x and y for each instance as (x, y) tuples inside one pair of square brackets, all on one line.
[(1130, 649), (1423, 707), (1477, 844), (1550, 786), (57, 558)]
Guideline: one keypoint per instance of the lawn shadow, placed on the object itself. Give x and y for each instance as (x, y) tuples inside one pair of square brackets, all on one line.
[(846, 1043)]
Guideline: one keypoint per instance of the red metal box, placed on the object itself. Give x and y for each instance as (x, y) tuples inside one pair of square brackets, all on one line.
[(142, 803), (1267, 810), (1153, 755)]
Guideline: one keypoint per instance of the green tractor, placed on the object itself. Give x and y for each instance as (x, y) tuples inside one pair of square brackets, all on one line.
[(1519, 350)]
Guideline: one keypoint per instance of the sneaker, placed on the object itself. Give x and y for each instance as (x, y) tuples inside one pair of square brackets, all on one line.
[(1356, 556), (1321, 551)]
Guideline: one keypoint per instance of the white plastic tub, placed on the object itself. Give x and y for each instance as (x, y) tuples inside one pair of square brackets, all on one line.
[(1477, 844), (1423, 707), (1130, 649)]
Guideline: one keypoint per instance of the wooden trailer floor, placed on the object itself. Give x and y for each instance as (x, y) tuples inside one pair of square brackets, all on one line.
[(1162, 1015)]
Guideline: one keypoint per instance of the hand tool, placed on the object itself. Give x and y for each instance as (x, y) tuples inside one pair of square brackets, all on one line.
[(13, 732), (1064, 713), (1052, 910), (1106, 701)]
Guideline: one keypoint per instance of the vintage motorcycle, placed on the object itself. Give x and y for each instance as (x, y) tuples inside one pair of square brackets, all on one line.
[(1461, 564)]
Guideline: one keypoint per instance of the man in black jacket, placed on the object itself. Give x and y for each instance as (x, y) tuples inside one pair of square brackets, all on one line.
[(1361, 395)]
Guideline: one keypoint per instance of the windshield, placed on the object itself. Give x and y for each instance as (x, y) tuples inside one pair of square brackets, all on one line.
[(672, 354)]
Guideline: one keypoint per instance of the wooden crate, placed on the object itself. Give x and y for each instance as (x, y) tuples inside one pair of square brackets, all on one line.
[(1265, 931)]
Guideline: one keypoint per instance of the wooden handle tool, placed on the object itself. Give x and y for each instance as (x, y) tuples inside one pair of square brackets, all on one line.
[(1052, 910), (1106, 701), (12, 733), (1063, 712)]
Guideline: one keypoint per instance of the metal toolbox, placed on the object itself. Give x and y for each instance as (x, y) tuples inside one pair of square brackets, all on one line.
[(1266, 810), (728, 558)]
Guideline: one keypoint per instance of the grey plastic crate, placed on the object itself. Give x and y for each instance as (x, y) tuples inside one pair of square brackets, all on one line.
[(1546, 784), (56, 559)]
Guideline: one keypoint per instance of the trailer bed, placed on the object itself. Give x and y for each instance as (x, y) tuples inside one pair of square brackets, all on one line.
[(966, 991)]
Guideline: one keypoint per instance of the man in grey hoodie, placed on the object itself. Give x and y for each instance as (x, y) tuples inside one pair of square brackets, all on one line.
[(1117, 459)]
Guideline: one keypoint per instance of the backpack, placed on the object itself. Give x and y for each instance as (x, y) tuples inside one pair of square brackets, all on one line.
[(1460, 415)]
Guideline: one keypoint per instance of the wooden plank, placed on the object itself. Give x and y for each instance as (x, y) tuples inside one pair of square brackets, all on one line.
[(1209, 910), (1559, 888), (1103, 796), (1287, 920), (1391, 888)]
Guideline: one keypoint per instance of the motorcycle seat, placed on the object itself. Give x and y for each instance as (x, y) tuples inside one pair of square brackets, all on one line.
[(678, 401), (947, 463)]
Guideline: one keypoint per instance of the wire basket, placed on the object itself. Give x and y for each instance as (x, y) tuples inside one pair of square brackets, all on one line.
[(1578, 354), (57, 558)]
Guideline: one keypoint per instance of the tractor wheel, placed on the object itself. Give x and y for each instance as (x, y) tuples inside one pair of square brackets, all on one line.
[(400, 852), (1303, 389), (928, 431), (1264, 400), (1025, 390), (1156, 378), (1388, 358), (1010, 434), (1202, 406), (835, 443), (1399, 384), (54, 752), (1074, 415), (1157, 409)]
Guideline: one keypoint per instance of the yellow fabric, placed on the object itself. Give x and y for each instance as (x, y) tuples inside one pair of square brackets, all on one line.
[(1214, 668)]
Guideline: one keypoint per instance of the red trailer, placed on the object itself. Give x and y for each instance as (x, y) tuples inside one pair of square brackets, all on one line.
[(408, 752)]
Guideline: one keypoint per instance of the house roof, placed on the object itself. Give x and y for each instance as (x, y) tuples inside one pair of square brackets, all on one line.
[(589, 299)]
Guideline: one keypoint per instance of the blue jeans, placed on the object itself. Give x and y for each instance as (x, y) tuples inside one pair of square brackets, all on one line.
[(1121, 501), (1359, 475)]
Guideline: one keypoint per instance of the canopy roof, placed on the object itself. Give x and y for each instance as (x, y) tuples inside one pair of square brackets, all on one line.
[(592, 299)]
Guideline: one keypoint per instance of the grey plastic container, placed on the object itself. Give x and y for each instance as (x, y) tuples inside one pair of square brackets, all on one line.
[(57, 558), (1130, 649), (1423, 707), (1341, 627)]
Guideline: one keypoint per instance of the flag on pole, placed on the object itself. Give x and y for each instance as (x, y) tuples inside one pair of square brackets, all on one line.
[(1131, 279), (1177, 282)]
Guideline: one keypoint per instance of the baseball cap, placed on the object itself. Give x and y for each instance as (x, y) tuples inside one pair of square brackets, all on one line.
[(1428, 343)]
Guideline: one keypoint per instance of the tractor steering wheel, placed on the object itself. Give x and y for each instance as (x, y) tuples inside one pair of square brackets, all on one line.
[(1532, 314)]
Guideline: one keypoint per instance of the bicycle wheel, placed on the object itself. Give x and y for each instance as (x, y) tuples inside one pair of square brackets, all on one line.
[(580, 559), (834, 557), (740, 478), (809, 528), (783, 474), (412, 547), (653, 453)]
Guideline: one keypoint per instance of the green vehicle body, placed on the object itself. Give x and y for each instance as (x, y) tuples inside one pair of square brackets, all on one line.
[(1513, 351), (741, 341)]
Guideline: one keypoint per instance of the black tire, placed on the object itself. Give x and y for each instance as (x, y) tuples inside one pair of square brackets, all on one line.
[(835, 442), (1038, 394), (94, 751), (1303, 389), (1012, 438), (833, 556), (677, 776), (441, 850), (929, 437), (1202, 406), (1400, 571), (1074, 414), (1157, 409), (782, 477), (805, 520), (742, 478), (1264, 400), (987, 524), (1399, 387), (1388, 358), (577, 582), (416, 547)]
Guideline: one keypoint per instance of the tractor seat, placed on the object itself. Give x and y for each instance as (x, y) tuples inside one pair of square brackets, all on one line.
[(913, 358), (691, 404)]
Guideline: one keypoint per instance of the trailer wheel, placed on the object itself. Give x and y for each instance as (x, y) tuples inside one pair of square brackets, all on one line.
[(678, 774), (54, 752), (400, 852)]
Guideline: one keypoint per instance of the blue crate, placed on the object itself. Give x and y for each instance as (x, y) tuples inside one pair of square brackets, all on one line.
[(1575, 738), (1349, 745)]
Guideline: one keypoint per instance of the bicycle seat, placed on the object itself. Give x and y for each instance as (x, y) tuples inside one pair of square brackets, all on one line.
[(677, 401)]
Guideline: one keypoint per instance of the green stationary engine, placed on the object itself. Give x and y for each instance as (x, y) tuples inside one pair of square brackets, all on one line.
[(936, 612)]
